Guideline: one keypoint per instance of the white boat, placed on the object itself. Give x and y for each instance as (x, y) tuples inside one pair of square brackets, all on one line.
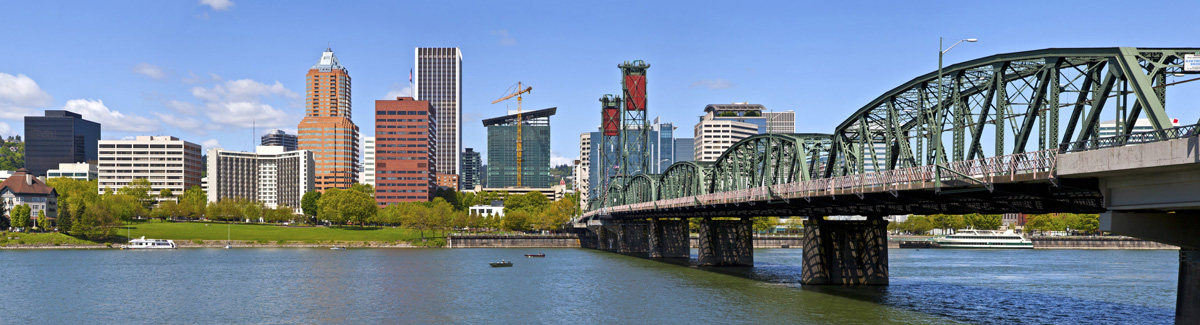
[(970, 238), (143, 243)]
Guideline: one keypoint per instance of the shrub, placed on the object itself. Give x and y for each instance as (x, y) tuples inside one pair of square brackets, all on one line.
[(281, 242), (197, 242)]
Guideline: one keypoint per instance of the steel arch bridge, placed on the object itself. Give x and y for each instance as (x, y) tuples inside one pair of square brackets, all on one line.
[(1023, 108)]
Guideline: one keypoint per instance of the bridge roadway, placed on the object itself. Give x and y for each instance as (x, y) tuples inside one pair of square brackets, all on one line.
[(1144, 184)]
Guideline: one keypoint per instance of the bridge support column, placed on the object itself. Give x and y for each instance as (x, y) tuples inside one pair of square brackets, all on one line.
[(629, 237), (726, 242), (669, 239), (845, 252), (1177, 229)]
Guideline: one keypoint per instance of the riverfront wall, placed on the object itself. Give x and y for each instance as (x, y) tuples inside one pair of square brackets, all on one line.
[(1093, 242), (571, 241)]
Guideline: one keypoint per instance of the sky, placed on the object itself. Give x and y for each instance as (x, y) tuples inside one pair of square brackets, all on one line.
[(221, 72)]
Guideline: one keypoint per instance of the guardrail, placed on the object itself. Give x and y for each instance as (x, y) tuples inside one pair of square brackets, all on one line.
[(983, 171), (1132, 138)]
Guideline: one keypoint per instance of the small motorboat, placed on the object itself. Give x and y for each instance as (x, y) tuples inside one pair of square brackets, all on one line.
[(535, 255), (501, 263), (338, 248)]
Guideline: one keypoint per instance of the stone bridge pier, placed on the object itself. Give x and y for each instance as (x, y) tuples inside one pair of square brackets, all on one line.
[(845, 252), (626, 236), (669, 238), (726, 242)]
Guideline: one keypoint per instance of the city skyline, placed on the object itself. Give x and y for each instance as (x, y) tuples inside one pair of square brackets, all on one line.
[(204, 73)]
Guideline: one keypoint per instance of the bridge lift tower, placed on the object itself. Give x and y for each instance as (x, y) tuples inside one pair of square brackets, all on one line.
[(608, 165), (635, 133)]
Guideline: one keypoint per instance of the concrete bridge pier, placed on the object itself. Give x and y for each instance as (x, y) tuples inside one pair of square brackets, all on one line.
[(1177, 229), (669, 238), (624, 236), (845, 252), (726, 242)]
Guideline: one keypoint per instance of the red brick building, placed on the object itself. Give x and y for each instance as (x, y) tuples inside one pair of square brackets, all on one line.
[(326, 129), (405, 167), (447, 180)]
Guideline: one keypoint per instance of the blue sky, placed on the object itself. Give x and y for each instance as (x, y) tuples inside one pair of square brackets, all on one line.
[(206, 71)]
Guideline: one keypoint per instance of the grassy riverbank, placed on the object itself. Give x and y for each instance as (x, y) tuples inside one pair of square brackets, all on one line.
[(271, 233), (42, 239)]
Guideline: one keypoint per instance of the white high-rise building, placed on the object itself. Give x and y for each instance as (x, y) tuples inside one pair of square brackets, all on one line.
[(269, 175), (713, 136), (1109, 128), (583, 168), (166, 161), (780, 122), (367, 176), (438, 79)]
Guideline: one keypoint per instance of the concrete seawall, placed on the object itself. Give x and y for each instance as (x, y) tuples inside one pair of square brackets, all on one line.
[(1089, 242), (567, 241), (531, 241)]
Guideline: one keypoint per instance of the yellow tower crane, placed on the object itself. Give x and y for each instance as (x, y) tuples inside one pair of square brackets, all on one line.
[(520, 150)]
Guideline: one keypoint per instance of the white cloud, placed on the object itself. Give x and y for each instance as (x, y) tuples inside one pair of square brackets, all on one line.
[(149, 70), (218, 5), (182, 107), (19, 94), (94, 110), (210, 144), (6, 130), (712, 84), (558, 159), (239, 103), (397, 91), (505, 38), (186, 123)]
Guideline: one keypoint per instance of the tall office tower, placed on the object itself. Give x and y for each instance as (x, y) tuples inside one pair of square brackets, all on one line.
[(583, 178), (502, 150), (438, 80), (59, 137), (780, 122), (279, 138), (268, 175), (663, 143), (405, 147), (471, 163), (684, 149), (167, 162), (326, 129), (367, 176)]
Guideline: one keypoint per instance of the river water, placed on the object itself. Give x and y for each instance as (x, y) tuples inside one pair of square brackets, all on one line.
[(289, 285)]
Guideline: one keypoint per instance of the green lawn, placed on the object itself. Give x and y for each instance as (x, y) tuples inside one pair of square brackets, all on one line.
[(271, 233), (53, 238)]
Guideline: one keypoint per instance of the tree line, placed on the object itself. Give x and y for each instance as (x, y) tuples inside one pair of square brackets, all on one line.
[(922, 224)]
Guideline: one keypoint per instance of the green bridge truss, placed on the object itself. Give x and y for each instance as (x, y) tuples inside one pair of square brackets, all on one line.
[(1001, 104)]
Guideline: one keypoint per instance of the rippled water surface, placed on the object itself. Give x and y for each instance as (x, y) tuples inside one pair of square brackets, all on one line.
[(574, 285)]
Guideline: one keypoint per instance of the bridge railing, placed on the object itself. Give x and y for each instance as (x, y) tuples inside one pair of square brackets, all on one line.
[(1132, 138), (988, 170)]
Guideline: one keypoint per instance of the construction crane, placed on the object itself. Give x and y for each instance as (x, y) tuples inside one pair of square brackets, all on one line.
[(520, 150)]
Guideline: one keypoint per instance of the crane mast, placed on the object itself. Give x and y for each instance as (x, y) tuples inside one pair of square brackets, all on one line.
[(520, 138)]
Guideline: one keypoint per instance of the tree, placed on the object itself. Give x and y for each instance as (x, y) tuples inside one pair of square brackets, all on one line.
[(73, 198), (43, 223), (166, 193), (516, 220), (342, 206), (363, 188), (20, 216), (440, 213), (139, 189), (194, 203), (310, 203), (531, 202), (765, 224)]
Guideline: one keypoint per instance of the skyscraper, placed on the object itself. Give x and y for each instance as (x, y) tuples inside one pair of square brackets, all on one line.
[(471, 163), (268, 175), (438, 79), (502, 150), (405, 165), (281, 139), (367, 176), (59, 137), (326, 129)]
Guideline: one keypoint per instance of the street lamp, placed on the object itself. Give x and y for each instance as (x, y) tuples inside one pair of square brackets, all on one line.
[(937, 136)]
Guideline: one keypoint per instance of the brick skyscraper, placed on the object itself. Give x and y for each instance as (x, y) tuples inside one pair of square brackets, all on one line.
[(326, 129), (405, 160)]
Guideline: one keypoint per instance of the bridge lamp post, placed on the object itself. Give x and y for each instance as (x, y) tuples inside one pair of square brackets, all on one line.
[(937, 137)]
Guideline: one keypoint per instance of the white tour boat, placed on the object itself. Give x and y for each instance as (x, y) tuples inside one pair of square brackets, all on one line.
[(143, 243), (970, 238)]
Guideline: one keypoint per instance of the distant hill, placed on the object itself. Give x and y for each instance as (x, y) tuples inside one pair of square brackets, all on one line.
[(12, 153)]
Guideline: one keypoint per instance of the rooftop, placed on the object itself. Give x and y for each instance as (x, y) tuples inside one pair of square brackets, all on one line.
[(22, 183), (512, 118)]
